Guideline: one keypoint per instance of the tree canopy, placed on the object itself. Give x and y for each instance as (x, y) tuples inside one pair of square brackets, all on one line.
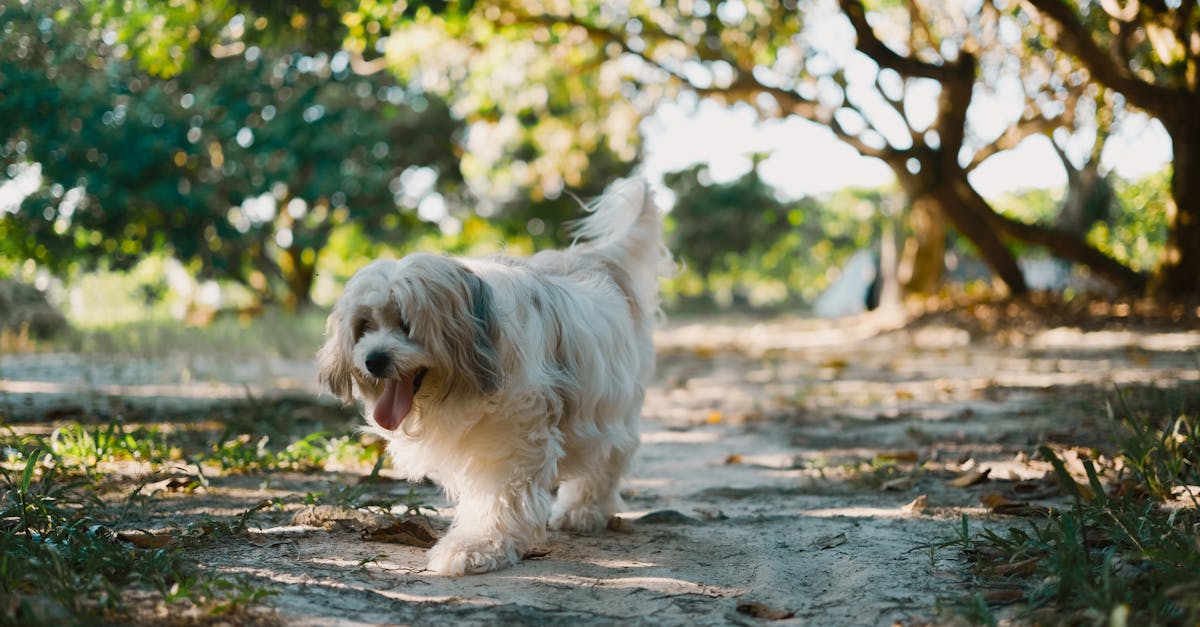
[(526, 102), (241, 167)]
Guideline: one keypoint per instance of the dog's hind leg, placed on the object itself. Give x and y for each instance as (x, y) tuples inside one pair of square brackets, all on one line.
[(590, 491)]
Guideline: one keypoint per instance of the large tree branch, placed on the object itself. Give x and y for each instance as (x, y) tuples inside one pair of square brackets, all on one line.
[(870, 45), (1064, 244), (1012, 136), (1029, 125), (1062, 23)]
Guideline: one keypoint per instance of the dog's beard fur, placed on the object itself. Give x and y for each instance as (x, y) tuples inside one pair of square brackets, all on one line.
[(502, 378)]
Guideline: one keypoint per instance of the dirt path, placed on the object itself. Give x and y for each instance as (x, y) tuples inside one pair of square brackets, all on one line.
[(788, 466)]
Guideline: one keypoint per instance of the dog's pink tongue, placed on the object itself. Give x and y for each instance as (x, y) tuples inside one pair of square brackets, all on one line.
[(395, 402)]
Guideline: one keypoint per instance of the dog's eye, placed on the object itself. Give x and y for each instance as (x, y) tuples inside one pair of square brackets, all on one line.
[(362, 326), (392, 318)]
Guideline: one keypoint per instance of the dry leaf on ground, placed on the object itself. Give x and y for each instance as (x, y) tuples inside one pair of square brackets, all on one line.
[(535, 554), (898, 456), (970, 478), (619, 525), (918, 504), (1034, 489), (761, 610), (410, 530), (331, 517), (178, 483), (1000, 505), (666, 517), (1006, 595), (143, 540), (899, 484), (830, 541), (1023, 567)]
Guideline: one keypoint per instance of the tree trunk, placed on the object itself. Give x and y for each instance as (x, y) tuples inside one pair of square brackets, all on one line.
[(971, 216), (924, 256), (299, 276), (1178, 274), (1089, 200)]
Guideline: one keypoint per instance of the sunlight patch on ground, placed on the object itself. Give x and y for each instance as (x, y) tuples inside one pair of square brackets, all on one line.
[(1075, 339), (663, 585), (858, 512), (679, 437)]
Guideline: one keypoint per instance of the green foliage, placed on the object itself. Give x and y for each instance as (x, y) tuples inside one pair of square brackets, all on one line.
[(88, 447), (1125, 546), (62, 563), (739, 239), (243, 453), (66, 551), (1031, 205), (1138, 233), (239, 167)]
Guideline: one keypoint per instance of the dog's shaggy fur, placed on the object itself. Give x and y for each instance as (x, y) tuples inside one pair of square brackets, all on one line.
[(501, 378)]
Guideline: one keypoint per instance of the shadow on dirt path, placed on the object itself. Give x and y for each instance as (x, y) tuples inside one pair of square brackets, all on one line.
[(791, 467)]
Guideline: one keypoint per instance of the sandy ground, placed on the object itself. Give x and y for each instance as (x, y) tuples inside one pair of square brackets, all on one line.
[(788, 468)]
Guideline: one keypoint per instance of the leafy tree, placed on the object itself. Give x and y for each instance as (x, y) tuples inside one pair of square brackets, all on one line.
[(544, 86), (742, 237), (1149, 52), (713, 221), (240, 166), (764, 53)]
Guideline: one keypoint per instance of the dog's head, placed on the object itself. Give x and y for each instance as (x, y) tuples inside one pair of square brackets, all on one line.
[(407, 332)]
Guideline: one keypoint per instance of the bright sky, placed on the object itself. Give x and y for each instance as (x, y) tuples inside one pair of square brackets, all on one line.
[(808, 159)]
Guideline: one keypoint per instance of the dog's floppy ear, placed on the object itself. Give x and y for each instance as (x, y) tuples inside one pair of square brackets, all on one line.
[(333, 360), (484, 363)]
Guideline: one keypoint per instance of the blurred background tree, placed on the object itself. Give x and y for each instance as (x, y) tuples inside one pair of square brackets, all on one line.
[(246, 137), (241, 167)]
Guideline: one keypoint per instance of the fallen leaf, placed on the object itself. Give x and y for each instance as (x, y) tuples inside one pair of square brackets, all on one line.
[(708, 513), (619, 525), (904, 395), (143, 540), (332, 517), (918, 504), (970, 478), (1000, 505), (830, 541), (733, 458), (410, 530), (269, 542), (761, 610), (666, 517), (1023, 567), (1006, 595), (835, 363), (714, 417), (174, 484), (1035, 489), (898, 456), (898, 484), (535, 554)]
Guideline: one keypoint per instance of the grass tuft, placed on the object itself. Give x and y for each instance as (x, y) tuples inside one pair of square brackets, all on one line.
[(1125, 547)]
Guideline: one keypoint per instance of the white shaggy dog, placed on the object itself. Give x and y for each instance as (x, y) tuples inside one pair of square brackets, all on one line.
[(501, 378)]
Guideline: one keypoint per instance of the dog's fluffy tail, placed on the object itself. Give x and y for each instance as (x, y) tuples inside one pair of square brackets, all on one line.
[(625, 227)]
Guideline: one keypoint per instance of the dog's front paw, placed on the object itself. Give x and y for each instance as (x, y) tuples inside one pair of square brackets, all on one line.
[(454, 557), (580, 519)]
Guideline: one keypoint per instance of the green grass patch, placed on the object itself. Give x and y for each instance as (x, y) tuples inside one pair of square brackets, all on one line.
[(86, 537), (1124, 548)]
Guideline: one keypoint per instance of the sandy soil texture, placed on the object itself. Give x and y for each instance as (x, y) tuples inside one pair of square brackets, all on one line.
[(789, 470)]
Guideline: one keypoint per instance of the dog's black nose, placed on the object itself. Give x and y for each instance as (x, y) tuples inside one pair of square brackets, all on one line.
[(377, 364)]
